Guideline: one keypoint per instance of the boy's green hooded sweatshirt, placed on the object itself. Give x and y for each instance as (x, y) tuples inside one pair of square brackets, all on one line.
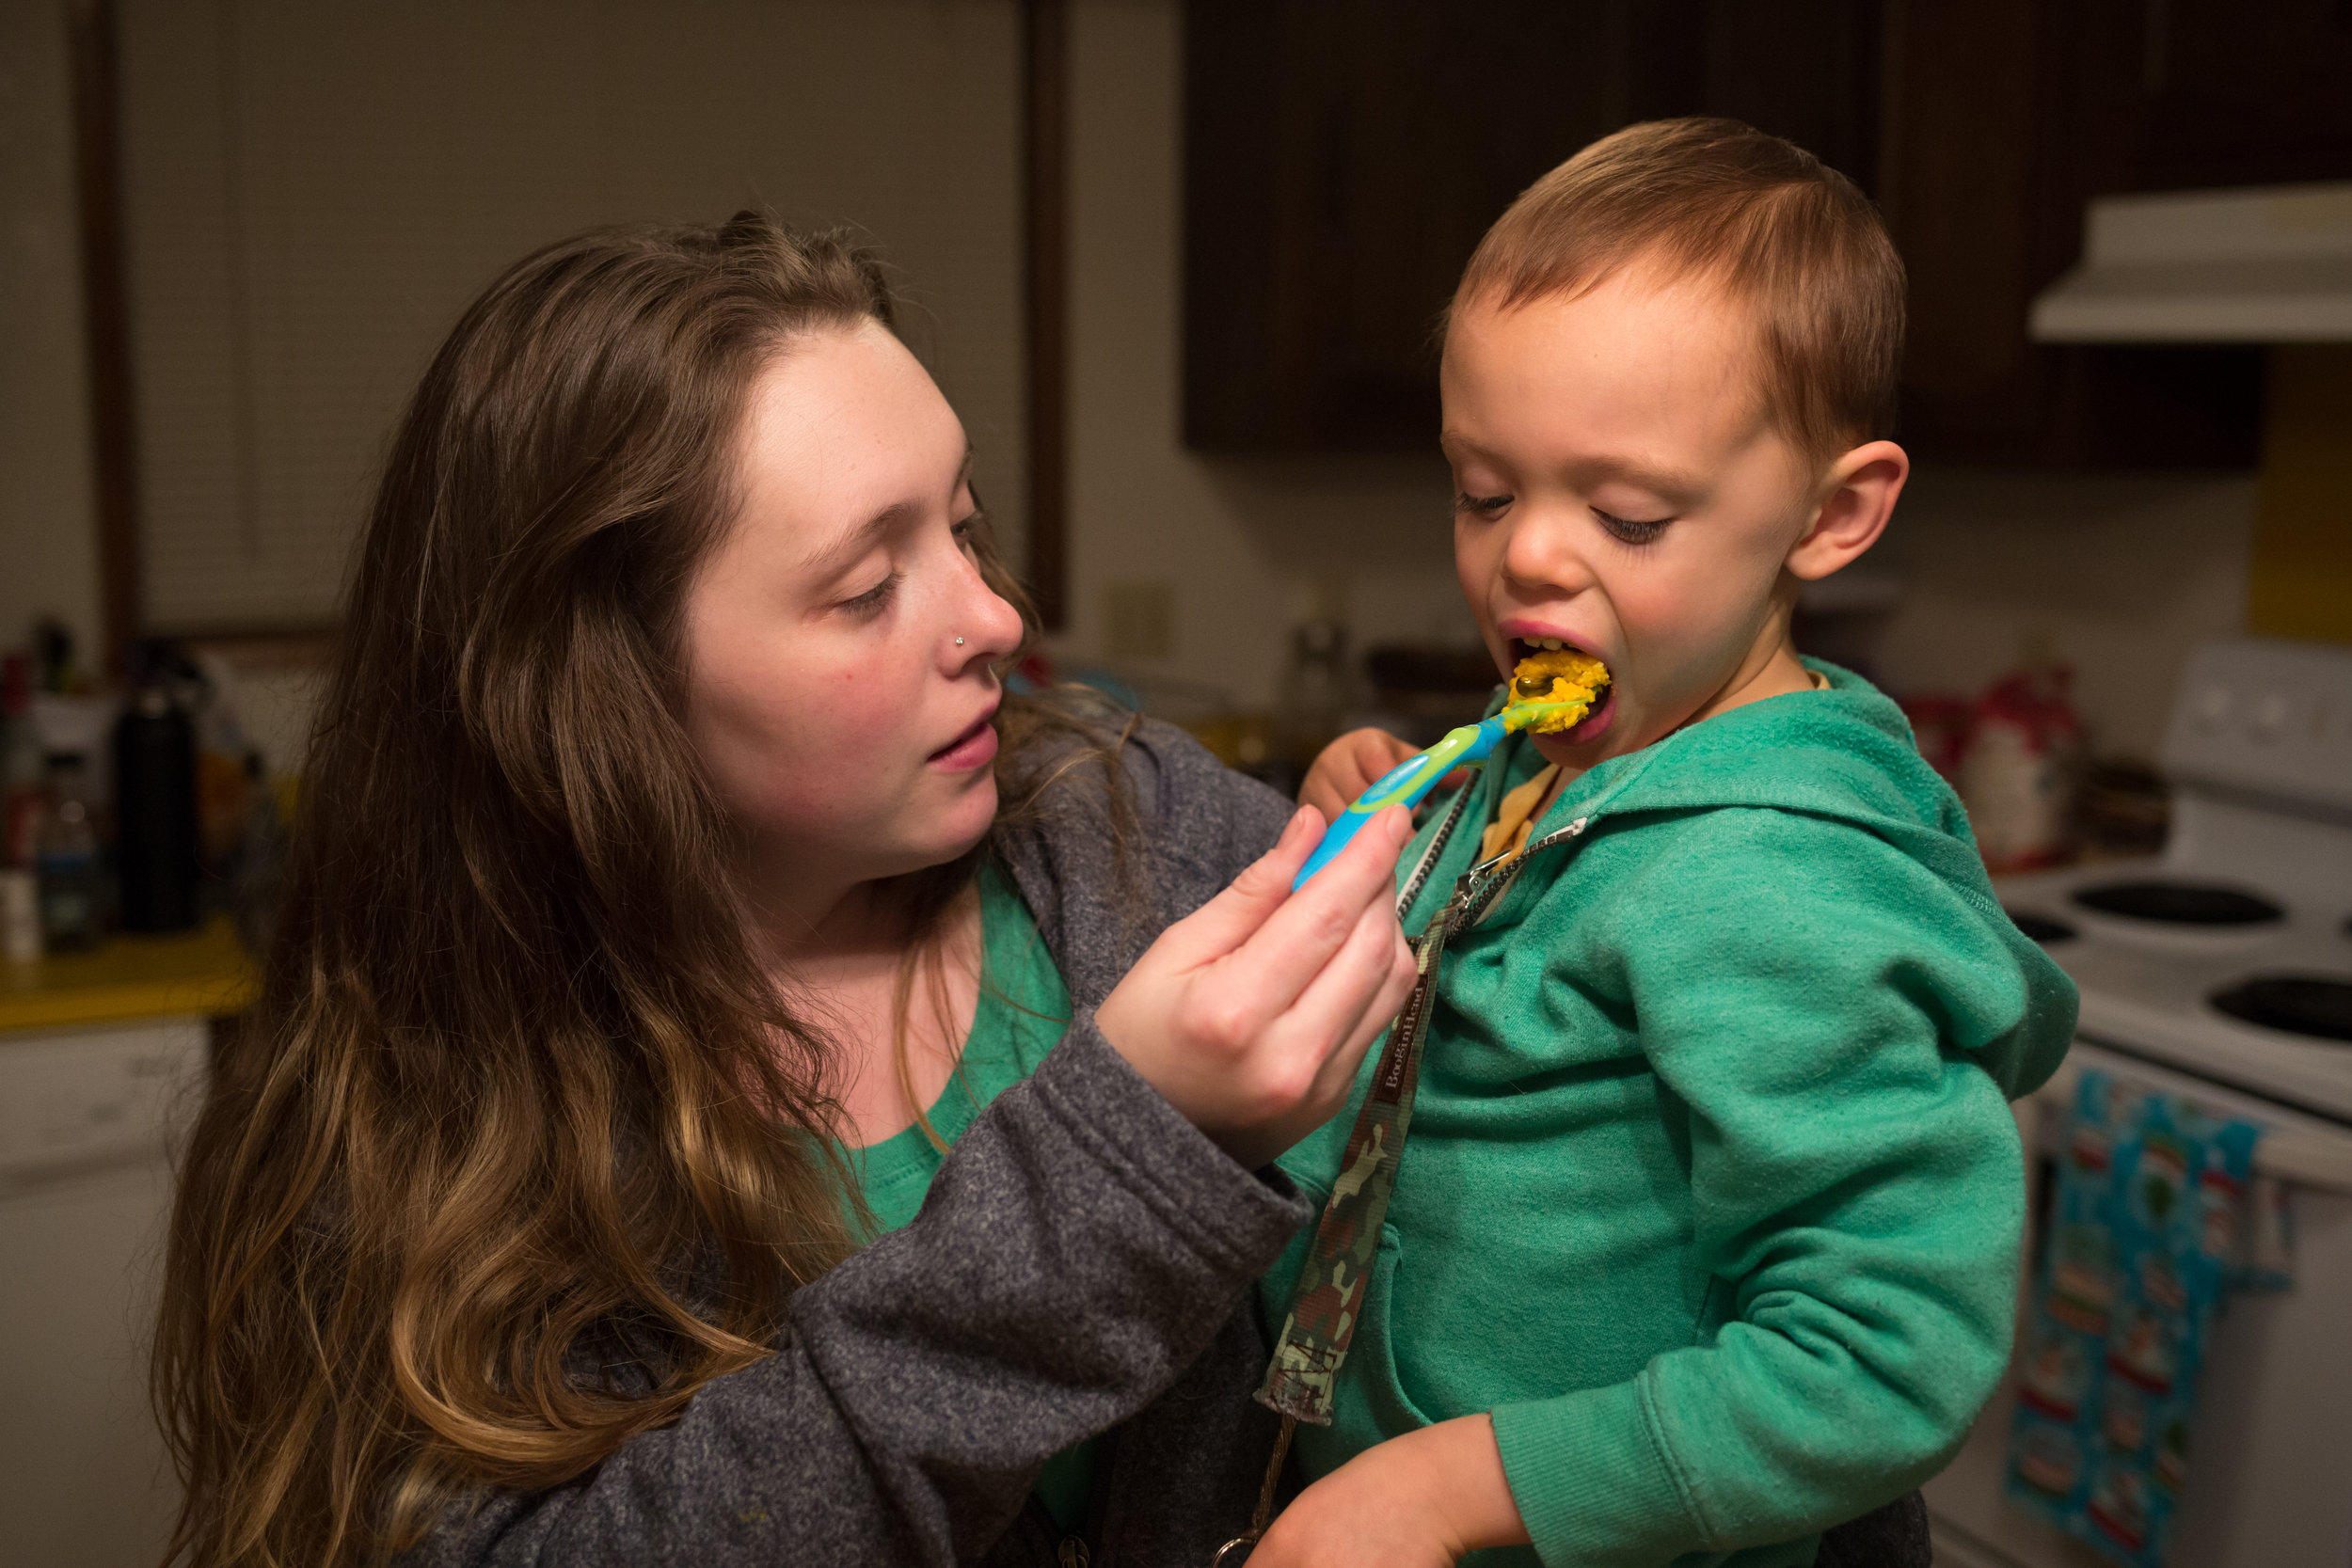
[(1710, 1195)]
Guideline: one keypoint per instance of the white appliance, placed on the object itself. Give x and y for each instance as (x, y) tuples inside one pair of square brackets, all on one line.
[(84, 1185), (2270, 264), (2222, 972)]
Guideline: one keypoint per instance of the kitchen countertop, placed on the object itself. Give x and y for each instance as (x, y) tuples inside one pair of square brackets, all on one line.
[(205, 970)]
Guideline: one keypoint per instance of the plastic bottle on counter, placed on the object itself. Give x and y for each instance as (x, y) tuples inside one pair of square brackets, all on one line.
[(155, 816), (20, 915), (1317, 695), (23, 766), (67, 860)]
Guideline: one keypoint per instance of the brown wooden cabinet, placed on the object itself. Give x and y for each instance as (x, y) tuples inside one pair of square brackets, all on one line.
[(1343, 158), (2004, 118)]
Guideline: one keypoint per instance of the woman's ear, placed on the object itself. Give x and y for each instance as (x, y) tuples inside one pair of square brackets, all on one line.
[(1861, 490)]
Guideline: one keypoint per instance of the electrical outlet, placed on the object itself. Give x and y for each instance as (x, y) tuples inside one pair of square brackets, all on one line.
[(1139, 620)]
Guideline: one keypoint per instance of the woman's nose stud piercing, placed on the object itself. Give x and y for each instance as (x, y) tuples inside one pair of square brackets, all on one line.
[(959, 641)]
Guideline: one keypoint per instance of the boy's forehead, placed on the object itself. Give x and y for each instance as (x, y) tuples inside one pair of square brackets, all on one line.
[(1656, 361)]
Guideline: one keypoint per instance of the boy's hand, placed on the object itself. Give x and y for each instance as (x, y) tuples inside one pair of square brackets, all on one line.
[(1350, 765), (1416, 1502)]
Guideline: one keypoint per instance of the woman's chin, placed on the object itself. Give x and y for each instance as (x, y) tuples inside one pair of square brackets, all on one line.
[(956, 826)]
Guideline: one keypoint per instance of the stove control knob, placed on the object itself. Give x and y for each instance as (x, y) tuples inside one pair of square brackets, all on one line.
[(2213, 708), (2270, 720)]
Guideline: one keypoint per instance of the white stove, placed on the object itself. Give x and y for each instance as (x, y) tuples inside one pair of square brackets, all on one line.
[(2221, 971), (2229, 957)]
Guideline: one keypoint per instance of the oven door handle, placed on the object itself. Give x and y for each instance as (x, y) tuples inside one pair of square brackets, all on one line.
[(2314, 1161)]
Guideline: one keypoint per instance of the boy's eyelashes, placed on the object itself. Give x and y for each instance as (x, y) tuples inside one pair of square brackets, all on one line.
[(1631, 531), (1626, 531)]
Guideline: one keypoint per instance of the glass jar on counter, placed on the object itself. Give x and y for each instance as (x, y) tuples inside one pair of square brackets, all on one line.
[(65, 860)]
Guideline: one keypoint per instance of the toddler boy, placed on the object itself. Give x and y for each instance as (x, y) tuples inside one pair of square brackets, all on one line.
[(1705, 1233)]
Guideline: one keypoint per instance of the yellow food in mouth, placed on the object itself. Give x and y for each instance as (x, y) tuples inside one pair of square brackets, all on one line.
[(1557, 676)]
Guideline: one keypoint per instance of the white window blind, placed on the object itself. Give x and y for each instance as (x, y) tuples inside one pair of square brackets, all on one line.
[(313, 191)]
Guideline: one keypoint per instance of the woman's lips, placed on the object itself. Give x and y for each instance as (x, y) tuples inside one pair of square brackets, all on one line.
[(975, 748)]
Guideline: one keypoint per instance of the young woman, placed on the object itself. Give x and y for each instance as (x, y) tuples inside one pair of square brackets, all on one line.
[(674, 880)]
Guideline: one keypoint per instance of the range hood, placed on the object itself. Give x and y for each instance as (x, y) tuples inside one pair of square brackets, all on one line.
[(2258, 265)]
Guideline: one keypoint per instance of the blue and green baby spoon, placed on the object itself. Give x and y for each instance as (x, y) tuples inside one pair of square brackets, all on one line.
[(1410, 781)]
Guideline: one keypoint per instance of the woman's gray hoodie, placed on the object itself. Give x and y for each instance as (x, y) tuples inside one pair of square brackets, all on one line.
[(1082, 1265)]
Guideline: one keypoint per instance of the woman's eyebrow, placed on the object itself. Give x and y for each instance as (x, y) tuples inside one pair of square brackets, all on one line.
[(838, 553), (848, 546)]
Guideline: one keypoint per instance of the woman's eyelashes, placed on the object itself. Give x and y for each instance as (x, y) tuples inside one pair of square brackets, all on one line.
[(872, 601), (1631, 530), (963, 530)]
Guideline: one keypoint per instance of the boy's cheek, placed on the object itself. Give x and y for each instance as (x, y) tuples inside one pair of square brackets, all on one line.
[(1473, 568)]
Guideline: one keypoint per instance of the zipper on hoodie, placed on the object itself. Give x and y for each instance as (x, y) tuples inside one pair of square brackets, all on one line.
[(1429, 857)]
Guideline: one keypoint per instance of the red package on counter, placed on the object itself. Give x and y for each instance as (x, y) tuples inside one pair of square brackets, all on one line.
[(2019, 768), (1940, 725)]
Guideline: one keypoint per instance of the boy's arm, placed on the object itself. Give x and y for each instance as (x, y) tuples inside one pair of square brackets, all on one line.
[(1812, 997), (1416, 1502)]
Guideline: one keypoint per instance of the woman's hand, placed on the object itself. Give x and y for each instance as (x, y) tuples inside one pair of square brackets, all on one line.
[(1352, 764), (1251, 1013), (1416, 1502)]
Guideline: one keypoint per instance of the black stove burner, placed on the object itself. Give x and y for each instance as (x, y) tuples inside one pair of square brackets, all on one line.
[(2314, 1005), (2041, 928), (2180, 903)]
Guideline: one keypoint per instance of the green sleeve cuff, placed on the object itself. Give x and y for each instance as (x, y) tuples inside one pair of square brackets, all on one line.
[(1592, 1479)]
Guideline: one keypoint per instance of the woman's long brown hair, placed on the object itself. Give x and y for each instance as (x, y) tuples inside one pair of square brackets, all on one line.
[(517, 1082)]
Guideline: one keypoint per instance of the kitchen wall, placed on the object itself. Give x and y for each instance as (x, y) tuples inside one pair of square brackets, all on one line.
[(2116, 574), (2301, 583), (48, 529), (1243, 550), (289, 280)]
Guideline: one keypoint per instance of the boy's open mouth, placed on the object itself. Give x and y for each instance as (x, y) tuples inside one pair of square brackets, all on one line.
[(1537, 661)]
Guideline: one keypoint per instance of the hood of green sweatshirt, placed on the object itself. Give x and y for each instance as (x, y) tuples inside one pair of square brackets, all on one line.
[(1844, 754)]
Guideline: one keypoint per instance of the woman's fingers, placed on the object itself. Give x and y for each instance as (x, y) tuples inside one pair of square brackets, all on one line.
[(1227, 920), (1267, 973), (1349, 1003), (1395, 988), (1251, 1014)]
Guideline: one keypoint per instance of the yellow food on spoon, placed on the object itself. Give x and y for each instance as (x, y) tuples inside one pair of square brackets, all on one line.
[(1556, 675)]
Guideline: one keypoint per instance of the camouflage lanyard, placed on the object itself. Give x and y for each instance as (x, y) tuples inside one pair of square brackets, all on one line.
[(1327, 1299)]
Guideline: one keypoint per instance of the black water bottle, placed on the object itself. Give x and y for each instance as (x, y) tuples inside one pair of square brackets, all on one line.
[(155, 845)]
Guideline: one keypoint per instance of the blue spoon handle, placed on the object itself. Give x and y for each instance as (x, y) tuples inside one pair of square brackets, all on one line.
[(1405, 784)]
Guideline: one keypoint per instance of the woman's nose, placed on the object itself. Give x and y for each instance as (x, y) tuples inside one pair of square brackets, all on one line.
[(985, 626)]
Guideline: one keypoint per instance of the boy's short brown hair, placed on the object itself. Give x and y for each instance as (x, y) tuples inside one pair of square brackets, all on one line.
[(1712, 198)]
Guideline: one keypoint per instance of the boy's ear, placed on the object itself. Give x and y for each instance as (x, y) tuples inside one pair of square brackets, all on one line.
[(1862, 487)]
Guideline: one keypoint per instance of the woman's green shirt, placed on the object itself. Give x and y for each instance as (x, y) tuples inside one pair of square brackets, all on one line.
[(1022, 1010)]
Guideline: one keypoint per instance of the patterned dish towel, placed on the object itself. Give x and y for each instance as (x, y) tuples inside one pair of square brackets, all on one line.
[(2157, 1214)]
